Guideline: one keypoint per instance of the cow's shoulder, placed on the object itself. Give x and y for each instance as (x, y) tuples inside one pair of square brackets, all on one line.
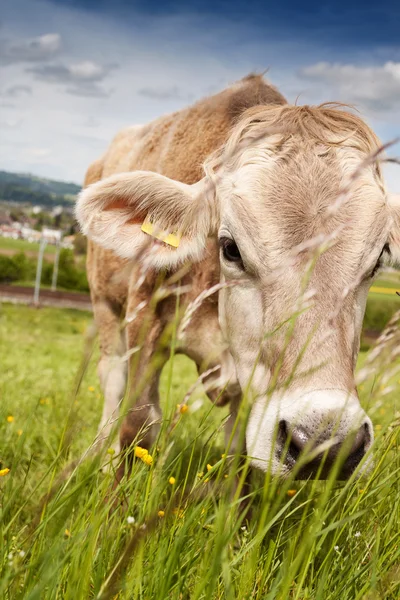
[(180, 143)]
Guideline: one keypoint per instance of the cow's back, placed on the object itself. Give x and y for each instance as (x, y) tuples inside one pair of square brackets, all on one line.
[(176, 146)]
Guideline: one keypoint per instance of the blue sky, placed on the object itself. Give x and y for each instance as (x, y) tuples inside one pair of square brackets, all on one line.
[(73, 72)]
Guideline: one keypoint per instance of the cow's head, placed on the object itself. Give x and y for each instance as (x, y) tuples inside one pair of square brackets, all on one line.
[(303, 224)]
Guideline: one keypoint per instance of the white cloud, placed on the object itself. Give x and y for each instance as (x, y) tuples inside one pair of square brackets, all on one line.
[(84, 76), (375, 87), (35, 49)]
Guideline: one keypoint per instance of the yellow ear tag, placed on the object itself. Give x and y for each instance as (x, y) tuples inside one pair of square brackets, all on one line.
[(172, 239)]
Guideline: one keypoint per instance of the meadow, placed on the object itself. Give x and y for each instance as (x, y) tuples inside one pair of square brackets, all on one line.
[(176, 528), (9, 245)]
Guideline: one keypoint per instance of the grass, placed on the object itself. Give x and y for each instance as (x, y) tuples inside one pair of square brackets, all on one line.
[(10, 244), (305, 540)]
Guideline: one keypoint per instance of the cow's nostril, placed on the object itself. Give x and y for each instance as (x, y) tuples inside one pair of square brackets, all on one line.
[(292, 441), (282, 432)]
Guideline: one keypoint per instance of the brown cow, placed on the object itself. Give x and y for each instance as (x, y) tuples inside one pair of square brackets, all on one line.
[(250, 217)]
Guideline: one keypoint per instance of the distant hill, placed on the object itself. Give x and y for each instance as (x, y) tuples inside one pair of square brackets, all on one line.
[(30, 189)]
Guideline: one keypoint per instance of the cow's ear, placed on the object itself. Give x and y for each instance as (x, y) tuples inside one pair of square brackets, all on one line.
[(144, 214), (393, 257)]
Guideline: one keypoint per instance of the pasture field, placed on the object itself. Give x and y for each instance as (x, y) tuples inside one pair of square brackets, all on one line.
[(175, 529), (8, 245)]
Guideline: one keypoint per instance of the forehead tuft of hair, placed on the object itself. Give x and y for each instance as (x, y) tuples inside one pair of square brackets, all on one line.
[(330, 124)]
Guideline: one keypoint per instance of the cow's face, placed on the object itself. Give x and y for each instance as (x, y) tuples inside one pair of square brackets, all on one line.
[(298, 256), (293, 321)]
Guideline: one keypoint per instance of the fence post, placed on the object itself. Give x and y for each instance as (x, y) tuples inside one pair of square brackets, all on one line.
[(39, 271)]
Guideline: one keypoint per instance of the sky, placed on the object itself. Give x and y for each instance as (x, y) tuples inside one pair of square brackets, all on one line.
[(74, 72)]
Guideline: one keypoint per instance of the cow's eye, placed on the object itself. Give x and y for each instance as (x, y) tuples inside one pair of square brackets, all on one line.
[(230, 250), (385, 248)]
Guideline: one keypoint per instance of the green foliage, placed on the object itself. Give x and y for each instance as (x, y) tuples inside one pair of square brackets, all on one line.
[(8, 269), (22, 268), (69, 276), (379, 311), (26, 266), (329, 541)]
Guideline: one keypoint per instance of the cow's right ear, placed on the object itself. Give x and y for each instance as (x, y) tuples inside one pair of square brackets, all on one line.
[(116, 212)]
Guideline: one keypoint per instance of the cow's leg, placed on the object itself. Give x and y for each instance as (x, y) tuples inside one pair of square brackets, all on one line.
[(112, 369), (142, 421)]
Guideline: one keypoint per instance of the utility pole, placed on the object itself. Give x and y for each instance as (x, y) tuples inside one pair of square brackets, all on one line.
[(39, 271)]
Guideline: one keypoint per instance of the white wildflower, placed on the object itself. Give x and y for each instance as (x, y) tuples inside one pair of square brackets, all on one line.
[(196, 405), (130, 520)]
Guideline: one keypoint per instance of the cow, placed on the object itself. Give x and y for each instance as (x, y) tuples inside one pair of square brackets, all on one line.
[(280, 210)]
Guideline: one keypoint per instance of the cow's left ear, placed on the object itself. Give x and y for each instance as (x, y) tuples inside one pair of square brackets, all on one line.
[(393, 257), (147, 216)]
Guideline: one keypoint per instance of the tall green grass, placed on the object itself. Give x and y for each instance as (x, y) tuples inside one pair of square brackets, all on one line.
[(191, 539)]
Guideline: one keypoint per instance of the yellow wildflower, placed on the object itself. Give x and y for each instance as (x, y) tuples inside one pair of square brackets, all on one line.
[(91, 388), (147, 459), (67, 533), (200, 475), (183, 408), (140, 452), (4, 472), (19, 431), (223, 455), (111, 451), (144, 455), (161, 513), (291, 493), (209, 467), (226, 476), (10, 419), (172, 480), (207, 479)]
